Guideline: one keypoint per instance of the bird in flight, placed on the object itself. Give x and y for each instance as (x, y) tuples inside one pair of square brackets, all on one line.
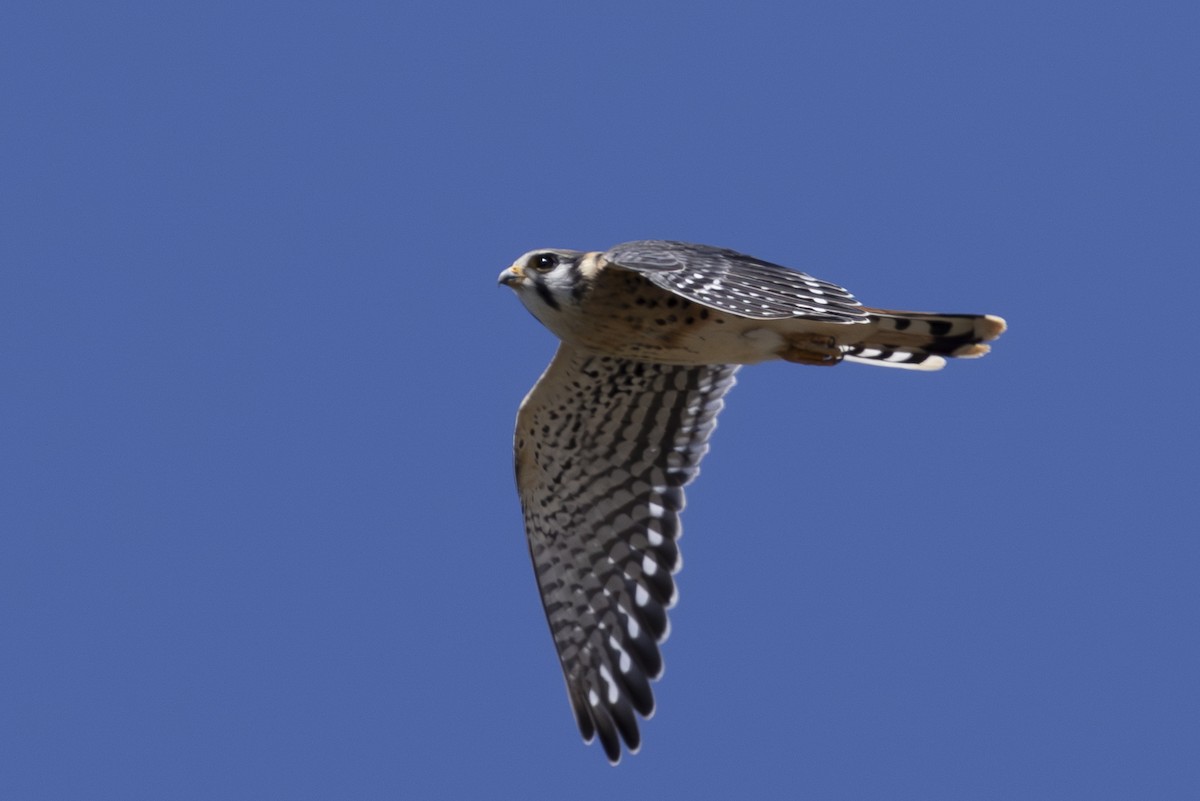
[(652, 333)]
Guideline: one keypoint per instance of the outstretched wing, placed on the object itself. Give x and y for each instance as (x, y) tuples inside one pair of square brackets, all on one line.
[(736, 283), (603, 448)]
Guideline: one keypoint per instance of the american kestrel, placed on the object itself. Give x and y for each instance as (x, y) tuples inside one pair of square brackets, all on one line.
[(652, 333)]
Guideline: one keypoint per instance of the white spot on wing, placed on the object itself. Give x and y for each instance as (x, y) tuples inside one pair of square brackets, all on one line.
[(613, 693), (625, 662)]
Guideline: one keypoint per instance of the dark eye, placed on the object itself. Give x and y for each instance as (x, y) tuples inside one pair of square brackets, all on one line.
[(544, 262)]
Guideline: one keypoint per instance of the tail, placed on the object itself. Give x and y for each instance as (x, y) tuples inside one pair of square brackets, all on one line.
[(921, 341)]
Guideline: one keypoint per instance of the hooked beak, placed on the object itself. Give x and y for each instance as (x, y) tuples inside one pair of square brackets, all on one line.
[(512, 276)]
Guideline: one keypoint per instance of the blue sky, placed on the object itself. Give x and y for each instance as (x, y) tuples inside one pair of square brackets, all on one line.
[(259, 534)]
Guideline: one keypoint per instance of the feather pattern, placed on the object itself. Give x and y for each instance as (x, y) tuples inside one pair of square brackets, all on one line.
[(603, 449), (736, 283)]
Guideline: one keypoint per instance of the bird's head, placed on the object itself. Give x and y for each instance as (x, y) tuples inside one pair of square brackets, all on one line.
[(548, 281)]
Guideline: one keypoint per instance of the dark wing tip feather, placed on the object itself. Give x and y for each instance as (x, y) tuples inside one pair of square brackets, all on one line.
[(583, 715), (610, 740)]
